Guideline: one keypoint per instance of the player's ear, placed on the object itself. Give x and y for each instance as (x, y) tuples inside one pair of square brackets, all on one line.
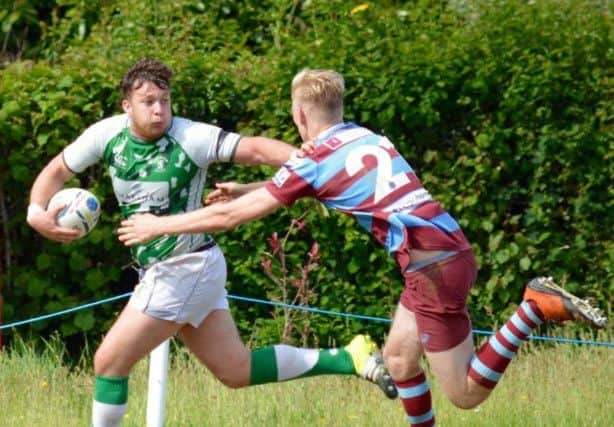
[(126, 106), (303, 117)]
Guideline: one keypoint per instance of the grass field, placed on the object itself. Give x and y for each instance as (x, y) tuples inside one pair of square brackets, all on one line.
[(547, 385)]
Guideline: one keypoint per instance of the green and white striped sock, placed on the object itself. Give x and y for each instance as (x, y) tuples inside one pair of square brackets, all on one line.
[(110, 397), (283, 362)]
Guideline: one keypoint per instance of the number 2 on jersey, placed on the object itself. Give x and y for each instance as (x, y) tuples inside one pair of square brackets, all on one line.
[(385, 181)]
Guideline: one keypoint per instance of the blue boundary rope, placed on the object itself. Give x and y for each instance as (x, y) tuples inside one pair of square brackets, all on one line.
[(296, 307)]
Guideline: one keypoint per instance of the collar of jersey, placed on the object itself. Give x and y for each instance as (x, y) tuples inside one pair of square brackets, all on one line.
[(326, 134)]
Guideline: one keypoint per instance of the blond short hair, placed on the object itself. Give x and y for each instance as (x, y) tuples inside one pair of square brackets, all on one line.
[(320, 88)]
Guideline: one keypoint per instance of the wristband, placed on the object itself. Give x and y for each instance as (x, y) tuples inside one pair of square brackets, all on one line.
[(34, 209)]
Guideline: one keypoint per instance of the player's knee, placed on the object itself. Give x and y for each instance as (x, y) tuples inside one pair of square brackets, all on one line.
[(463, 397), (463, 402), (401, 366), (106, 362), (234, 379), (102, 361), (235, 371)]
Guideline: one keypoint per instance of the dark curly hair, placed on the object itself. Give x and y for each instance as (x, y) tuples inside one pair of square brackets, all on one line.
[(146, 70)]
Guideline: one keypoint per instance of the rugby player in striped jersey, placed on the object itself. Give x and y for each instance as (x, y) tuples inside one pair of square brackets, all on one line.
[(360, 173)]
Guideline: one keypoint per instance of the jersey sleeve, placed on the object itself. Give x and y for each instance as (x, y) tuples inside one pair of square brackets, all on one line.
[(89, 147), (294, 180), (203, 142)]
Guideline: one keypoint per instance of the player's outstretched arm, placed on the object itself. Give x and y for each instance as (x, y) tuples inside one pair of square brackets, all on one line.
[(48, 182), (140, 229), (227, 191), (259, 150), (262, 150)]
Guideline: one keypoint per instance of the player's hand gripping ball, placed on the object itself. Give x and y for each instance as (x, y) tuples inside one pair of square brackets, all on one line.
[(81, 210)]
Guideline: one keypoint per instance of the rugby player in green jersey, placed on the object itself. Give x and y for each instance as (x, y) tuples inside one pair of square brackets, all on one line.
[(158, 164)]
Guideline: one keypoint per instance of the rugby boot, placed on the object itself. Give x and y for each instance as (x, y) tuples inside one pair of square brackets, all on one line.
[(558, 305), (369, 364)]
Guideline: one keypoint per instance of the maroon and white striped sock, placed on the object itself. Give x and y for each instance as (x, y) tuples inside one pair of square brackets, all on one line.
[(415, 395), (491, 360)]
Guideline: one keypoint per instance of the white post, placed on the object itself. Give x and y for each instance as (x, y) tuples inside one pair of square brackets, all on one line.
[(156, 390)]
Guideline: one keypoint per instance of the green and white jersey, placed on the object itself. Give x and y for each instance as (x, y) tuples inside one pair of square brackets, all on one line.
[(164, 177)]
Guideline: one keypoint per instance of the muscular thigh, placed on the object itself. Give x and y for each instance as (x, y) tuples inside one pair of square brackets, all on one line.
[(217, 344), (132, 336), (403, 349)]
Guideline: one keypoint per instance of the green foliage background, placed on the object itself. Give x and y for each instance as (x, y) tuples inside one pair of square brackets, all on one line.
[(503, 107)]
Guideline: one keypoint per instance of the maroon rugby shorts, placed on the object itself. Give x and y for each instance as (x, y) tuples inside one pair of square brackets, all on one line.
[(437, 295)]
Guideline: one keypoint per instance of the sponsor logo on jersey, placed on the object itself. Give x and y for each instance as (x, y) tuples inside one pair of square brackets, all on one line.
[(409, 202), (150, 196), (281, 176)]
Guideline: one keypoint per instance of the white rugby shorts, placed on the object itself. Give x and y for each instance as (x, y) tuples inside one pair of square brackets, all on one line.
[(184, 288)]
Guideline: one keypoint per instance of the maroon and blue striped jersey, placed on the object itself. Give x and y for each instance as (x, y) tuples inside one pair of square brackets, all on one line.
[(360, 173)]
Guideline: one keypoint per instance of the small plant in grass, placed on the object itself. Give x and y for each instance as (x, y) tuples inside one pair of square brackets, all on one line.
[(293, 284)]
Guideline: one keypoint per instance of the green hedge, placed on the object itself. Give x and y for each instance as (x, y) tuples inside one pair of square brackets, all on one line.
[(503, 107)]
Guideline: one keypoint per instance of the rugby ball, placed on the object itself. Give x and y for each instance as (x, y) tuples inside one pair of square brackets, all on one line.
[(81, 210)]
